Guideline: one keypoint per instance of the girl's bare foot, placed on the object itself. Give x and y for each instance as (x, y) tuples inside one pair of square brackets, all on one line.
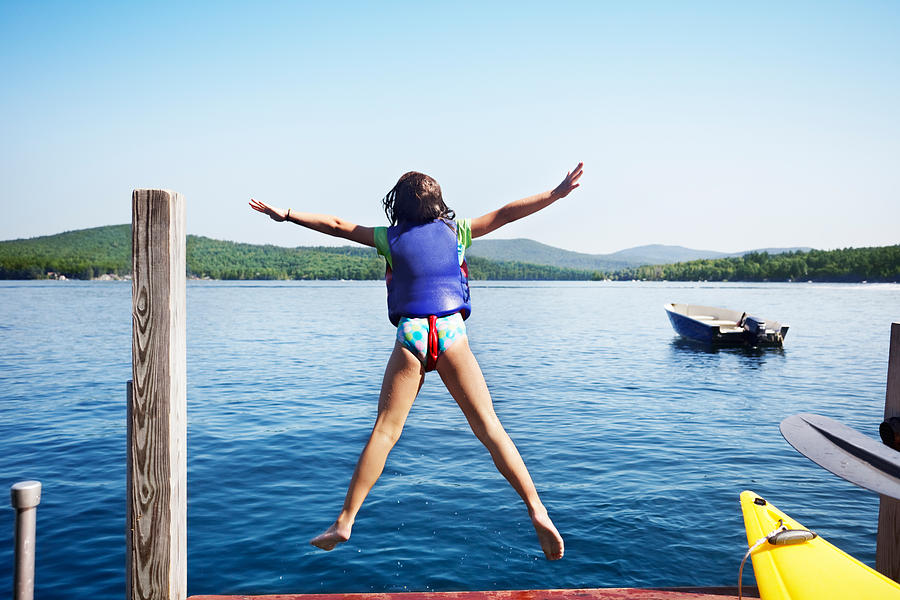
[(551, 541), (332, 536)]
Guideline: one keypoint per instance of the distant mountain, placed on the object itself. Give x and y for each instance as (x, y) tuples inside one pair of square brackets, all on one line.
[(657, 254), (526, 250), (542, 254)]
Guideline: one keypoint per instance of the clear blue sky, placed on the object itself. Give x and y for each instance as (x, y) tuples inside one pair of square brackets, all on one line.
[(722, 126)]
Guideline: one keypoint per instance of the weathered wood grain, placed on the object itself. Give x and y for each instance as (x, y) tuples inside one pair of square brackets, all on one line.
[(157, 404), (887, 553)]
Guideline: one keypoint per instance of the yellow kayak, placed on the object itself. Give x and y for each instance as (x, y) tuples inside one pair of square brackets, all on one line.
[(798, 566)]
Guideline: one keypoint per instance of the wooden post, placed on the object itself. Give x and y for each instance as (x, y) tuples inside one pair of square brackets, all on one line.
[(887, 553), (156, 531)]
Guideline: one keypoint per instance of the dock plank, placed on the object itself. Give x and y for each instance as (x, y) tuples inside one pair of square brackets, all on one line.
[(574, 594)]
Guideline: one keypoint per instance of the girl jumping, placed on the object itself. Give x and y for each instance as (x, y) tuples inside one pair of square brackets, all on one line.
[(428, 301)]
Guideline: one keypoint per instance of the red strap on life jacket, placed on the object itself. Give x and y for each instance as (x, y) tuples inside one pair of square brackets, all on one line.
[(432, 356)]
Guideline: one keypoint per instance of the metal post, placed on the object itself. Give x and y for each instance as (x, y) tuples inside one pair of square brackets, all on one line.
[(25, 497)]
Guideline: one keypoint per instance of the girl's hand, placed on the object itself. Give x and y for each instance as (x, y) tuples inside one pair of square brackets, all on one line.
[(568, 184), (276, 214)]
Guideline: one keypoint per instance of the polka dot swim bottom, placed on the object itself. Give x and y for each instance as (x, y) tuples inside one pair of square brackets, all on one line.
[(413, 334)]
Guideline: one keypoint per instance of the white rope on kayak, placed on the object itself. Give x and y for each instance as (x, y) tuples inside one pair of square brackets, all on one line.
[(780, 536)]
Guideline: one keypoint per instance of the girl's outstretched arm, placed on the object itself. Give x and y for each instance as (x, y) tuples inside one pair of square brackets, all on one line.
[(322, 223), (524, 207)]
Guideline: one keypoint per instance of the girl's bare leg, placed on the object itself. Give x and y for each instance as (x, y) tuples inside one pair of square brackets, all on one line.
[(461, 374), (403, 378)]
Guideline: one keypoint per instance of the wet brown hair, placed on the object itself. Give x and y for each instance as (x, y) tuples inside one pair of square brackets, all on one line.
[(416, 198)]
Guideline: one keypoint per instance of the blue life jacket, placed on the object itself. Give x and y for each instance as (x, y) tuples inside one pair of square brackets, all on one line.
[(425, 277)]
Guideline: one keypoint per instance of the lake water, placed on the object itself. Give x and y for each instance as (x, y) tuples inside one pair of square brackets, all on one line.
[(639, 442)]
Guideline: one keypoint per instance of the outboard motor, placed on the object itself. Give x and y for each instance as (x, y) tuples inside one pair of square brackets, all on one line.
[(755, 327)]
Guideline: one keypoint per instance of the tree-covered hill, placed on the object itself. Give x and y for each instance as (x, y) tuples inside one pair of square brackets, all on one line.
[(229, 260), (877, 264), (520, 249), (81, 254), (89, 253)]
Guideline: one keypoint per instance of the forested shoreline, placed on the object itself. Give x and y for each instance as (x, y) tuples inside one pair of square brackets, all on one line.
[(106, 251), (850, 265)]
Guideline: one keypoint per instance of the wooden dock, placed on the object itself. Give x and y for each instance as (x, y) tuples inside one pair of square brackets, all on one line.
[(683, 593)]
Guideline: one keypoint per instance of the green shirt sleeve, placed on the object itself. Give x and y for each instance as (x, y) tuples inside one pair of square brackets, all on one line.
[(381, 244), (464, 232)]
